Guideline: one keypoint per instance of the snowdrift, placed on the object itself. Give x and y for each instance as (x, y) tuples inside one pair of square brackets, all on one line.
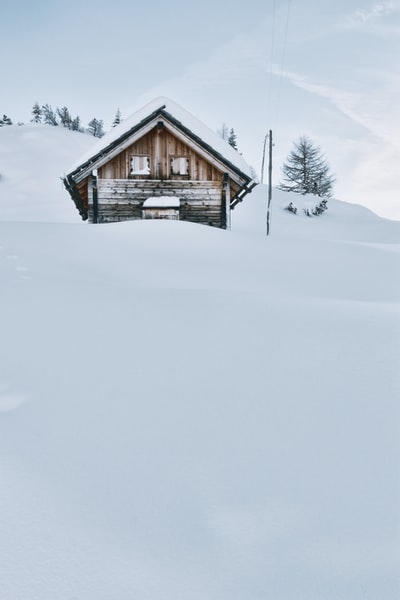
[(193, 413)]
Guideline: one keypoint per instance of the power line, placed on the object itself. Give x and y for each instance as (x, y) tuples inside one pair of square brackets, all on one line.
[(282, 63), (270, 63), (270, 111), (274, 82)]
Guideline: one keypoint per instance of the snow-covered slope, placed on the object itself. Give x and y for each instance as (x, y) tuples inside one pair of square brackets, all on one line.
[(33, 158), (192, 413)]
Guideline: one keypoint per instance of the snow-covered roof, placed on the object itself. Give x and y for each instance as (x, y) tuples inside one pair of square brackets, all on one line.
[(196, 127), (162, 202)]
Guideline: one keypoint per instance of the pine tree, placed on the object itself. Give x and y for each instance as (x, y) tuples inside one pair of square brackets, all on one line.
[(5, 121), (232, 139), (36, 113), (306, 171), (76, 124), (49, 116), (95, 127), (117, 118), (65, 117)]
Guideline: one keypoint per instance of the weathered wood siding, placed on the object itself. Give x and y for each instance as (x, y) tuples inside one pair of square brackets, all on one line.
[(83, 188), (122, 199), (120, 195), (160, 146)]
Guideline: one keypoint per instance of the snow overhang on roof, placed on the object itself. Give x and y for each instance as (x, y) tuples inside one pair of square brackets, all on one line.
[(179, 117)]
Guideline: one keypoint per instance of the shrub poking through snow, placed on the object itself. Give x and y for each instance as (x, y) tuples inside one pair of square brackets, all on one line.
[(320, 208), (316, 210), (5, 121), (291, 208)]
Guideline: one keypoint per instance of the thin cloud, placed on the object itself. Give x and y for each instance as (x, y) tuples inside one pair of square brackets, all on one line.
[(362, 17), (363, 110), (343, 100)]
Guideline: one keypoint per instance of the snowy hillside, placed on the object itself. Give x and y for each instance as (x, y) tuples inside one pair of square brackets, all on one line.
[(33, 159), (189, 413)]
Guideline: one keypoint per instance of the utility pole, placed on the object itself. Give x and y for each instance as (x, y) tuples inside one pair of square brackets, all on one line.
[(269, 181)]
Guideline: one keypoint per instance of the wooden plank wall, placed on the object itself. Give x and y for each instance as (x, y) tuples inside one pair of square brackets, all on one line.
[(122, 199), (121, 196), (160, 146)]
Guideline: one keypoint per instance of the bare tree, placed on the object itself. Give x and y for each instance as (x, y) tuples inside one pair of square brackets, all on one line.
[(224, 132)]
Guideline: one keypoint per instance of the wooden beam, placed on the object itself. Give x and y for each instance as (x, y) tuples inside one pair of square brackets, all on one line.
[(94, 197)]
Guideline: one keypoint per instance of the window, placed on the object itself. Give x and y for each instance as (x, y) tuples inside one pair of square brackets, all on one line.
[(139, 165), (179, 165)]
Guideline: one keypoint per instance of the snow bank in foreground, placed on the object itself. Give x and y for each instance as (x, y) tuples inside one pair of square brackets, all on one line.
[(192, 413)]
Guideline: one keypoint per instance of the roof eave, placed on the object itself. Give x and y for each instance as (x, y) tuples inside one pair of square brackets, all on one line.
[(242, 193), (73, 175), (204, 145), (115, 143), (71, 188)]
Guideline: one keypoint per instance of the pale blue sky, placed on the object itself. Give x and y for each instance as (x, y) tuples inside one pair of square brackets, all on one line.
[(336, 78)]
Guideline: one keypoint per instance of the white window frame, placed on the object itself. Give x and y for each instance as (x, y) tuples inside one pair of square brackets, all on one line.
[(180, 166), (139, 165)]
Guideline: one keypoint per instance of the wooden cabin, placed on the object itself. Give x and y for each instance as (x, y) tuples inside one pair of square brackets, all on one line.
[(160, 163)]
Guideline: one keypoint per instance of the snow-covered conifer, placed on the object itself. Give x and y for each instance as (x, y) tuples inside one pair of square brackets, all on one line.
[(95, 127), (306, 171), (49, 116), (65, 117), (117, 118), (36, 113), (232, 139), (76, 124)]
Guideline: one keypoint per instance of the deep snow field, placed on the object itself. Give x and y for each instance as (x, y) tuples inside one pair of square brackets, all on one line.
[(188, 413)]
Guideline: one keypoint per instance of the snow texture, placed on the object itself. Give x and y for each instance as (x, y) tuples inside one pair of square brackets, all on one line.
[(187, 412)]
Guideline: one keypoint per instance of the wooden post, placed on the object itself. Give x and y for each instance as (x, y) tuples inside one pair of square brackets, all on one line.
[(225, 203), (94, 196), (269, 184), (159, 171)]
